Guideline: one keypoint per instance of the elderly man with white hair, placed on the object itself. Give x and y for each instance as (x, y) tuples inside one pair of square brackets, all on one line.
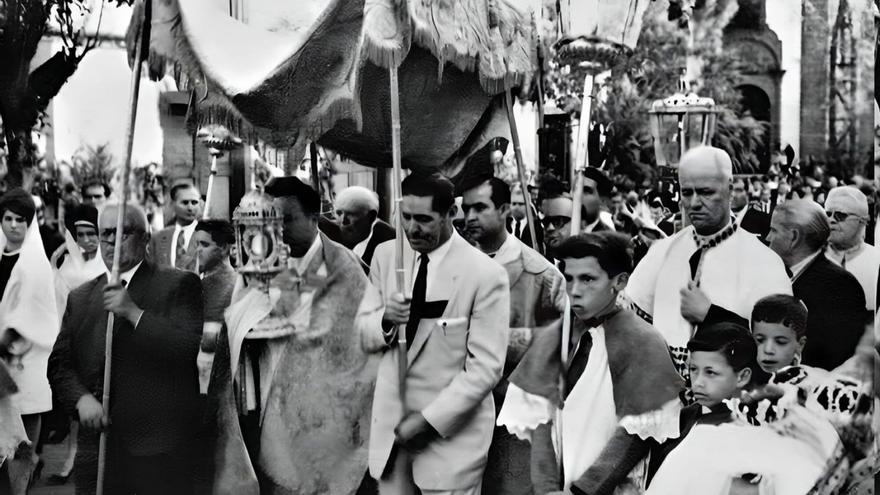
[(709, 271), (847, 210), (799, 231), (361, 230)]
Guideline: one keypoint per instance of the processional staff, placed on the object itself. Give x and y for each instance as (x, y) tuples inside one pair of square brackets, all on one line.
[(142, 40)]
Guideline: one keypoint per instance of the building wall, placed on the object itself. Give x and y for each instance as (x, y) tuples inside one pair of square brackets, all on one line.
[(815, 66), (784, 18)]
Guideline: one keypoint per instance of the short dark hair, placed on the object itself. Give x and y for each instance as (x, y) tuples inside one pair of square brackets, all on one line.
[(21, 203), (612, 251), (291, 187), (95, 182), (423, 183), (176, 188), (500, 191), (731, 340), (221, 231), (783, 309)]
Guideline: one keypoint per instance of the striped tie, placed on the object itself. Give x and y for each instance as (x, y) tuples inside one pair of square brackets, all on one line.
[(180, 251)]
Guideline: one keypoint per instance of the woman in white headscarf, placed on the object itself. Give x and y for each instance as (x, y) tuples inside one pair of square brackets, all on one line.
[(29, 322), (82, 261)]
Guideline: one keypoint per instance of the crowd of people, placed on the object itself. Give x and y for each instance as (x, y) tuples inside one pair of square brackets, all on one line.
[(712, 337)]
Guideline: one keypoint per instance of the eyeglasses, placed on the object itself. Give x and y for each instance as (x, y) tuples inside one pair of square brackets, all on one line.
[(839, 216), (556, 221), (108, 236)]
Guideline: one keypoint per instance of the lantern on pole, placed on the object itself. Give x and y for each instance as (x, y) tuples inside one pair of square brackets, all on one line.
[(219, 140), (678, 123), (594, 35)]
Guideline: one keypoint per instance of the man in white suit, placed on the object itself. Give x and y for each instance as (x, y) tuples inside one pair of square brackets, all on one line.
[(455, 312)]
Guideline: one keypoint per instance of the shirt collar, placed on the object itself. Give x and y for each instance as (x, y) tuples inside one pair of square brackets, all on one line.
[(508, 251), (302, 264), (801, 265), (128, 274), (439, 253), (848, 253), (10, 253), (186, 228)]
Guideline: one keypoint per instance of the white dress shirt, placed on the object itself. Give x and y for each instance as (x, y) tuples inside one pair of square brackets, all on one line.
[(188, 232), (435, 257), (802, 265)]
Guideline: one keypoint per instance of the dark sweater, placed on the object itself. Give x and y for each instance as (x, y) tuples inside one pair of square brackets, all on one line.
[(7, 263)]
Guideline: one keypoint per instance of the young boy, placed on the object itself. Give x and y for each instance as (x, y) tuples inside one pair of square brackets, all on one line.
[(779, 327), (720, 366)]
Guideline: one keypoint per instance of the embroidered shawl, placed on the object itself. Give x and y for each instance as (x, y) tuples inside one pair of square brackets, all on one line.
[(317, 418)]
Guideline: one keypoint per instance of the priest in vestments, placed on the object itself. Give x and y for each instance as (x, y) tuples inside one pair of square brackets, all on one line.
[(711, 270), (289, 405)]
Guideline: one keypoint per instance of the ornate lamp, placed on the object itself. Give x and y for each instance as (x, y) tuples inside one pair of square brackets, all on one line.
[(594, 35), (679, 123), (260, 255), (259, 252)]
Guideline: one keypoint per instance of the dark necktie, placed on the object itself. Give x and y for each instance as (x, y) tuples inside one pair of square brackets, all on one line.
[(418, 300), (578, 362), (518, 230), (694, 262), (180, 250)]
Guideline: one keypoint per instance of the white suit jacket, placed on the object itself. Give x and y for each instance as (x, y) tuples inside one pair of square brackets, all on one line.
[(454, 362)]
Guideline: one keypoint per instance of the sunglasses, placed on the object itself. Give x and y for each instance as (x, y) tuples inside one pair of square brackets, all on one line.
[(839, 216), (555, 221)]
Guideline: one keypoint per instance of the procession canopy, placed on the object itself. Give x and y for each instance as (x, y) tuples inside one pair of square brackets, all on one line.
[(326, 69)]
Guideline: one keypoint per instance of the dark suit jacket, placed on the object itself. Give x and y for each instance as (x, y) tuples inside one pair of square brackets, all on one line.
[(382, 231), (757, 222), (526, 236), (160, 250), (154, 397), (836, 321)]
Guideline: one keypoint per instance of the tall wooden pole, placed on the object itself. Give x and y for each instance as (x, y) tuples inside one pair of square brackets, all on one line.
[(583, 155), (397, 198), (117, 247), (521, 168)]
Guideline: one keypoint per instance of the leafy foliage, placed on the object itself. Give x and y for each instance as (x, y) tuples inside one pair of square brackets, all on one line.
[(652, 72), (92, 162), (25, 94)]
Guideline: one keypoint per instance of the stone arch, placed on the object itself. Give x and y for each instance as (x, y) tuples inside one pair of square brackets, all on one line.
[(758, 103)]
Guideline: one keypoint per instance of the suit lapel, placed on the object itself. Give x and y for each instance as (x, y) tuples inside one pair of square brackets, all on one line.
[(442, 288), (137, 288)]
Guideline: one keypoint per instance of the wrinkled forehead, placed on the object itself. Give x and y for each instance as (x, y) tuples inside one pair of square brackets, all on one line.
[(187, 194), (557, 207), (707, 176), (419, 205)]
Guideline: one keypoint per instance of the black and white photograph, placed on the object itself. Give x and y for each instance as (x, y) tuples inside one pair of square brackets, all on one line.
[(439, 247)]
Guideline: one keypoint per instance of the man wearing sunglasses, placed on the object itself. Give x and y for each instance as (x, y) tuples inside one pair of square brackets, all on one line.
[(847, 210)]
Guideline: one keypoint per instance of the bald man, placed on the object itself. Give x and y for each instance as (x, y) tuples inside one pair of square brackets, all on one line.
[(709, 271), (360, 229), (847, 210), (799, 231), (155, 386)]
